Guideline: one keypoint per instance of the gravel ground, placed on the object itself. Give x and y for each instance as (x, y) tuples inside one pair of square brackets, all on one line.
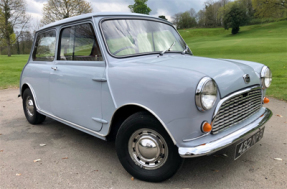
[(76, 160)]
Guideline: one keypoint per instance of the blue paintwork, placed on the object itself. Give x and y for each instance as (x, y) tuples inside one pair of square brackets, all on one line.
[(79, 93), (74, 94)]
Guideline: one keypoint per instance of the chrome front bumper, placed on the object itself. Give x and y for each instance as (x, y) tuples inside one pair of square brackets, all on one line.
[(237, 136)]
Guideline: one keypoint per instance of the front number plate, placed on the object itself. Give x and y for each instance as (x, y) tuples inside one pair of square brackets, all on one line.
[(242, 147)]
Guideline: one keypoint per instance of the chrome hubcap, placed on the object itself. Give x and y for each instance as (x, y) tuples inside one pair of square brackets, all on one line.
[(148, 149), (30, 106)]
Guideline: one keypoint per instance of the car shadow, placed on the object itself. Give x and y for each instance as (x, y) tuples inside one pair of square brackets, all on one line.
[(217, 167)]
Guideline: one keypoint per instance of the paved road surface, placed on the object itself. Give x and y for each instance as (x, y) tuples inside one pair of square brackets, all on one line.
[(76, 160)]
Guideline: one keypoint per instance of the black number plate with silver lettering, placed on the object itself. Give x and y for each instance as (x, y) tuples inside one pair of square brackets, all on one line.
[(242, 147)]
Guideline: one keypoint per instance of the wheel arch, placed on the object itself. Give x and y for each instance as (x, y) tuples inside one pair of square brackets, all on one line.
[(28, 86), (124, 111), (23, 87)]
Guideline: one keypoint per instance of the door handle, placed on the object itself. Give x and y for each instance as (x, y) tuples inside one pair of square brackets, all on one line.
[(54, 68)]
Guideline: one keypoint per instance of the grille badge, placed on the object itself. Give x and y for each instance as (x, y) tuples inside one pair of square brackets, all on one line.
[(245, 94), (246, 78)]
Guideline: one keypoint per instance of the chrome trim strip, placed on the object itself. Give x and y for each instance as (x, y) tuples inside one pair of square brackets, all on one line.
[(230, 96), (70, 123), (150, 111), (213, 146), (99, 120), (187, 140)]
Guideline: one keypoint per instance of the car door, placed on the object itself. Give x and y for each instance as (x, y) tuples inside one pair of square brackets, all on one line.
[(75, 83), (38, 70)]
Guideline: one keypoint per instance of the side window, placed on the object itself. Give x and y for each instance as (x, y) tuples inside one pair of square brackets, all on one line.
[(79, 43), (44, 49)]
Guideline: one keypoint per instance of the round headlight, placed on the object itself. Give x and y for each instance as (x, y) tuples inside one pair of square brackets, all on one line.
[(266, 77), (206, 94)]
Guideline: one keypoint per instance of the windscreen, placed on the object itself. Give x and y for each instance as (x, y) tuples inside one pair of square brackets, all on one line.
[(126, 37)]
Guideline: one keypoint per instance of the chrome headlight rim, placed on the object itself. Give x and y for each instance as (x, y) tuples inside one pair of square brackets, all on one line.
[(263, 74), (198, 93)]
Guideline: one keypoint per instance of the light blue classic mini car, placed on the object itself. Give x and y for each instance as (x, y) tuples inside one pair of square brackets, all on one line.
[(132, 78)]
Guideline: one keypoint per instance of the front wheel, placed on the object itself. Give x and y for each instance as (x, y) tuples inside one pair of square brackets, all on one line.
[(145, 149)]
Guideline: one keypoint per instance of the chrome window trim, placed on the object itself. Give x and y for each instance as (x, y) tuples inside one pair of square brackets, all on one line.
[(72, 24), (34, 45), (230, 96)]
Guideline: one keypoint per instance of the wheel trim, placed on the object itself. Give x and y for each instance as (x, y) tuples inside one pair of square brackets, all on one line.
[(30, 106), (148, 149)]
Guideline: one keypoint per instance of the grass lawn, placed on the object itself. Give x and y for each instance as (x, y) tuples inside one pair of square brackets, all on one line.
[(10, 70), (266, 43)]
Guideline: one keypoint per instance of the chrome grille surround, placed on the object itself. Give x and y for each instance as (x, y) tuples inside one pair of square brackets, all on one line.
[(236, 108)]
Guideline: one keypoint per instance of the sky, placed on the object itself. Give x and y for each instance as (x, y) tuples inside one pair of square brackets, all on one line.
[(158, 7)]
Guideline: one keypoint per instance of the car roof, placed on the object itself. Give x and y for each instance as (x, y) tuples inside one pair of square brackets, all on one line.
[(83, 16)]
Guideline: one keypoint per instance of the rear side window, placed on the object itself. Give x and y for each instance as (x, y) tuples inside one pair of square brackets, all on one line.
[(44, 49), (79, 43)]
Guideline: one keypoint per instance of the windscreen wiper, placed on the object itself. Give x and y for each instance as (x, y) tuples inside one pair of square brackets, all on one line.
[(167, 49), (185, 50)]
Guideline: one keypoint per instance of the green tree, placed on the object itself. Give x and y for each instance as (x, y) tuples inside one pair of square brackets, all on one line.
[(55, 10), (247, 5), (235, 18), (212, 18), (12, 17), (201, 18), (176, 19), (225, 8), (270, 8), (162, 17), (186, 21), (140, 6)]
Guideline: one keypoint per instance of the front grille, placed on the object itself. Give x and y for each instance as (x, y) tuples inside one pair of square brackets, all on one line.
[(237, 109)]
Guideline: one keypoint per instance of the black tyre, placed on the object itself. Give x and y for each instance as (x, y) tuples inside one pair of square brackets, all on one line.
[(29, 108), (146, 150)]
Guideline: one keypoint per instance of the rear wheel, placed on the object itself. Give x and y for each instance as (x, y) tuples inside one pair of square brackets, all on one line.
[(145, 149), (29, 108)]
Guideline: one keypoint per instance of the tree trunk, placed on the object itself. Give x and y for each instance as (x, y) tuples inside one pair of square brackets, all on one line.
[(8, 46), (18, 47), (9, 50)]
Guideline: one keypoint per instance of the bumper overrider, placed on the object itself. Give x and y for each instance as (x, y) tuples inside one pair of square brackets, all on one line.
[(235, 137)]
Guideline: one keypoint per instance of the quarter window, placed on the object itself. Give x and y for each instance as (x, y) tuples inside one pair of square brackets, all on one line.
[(78, 43), (44, 49)]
